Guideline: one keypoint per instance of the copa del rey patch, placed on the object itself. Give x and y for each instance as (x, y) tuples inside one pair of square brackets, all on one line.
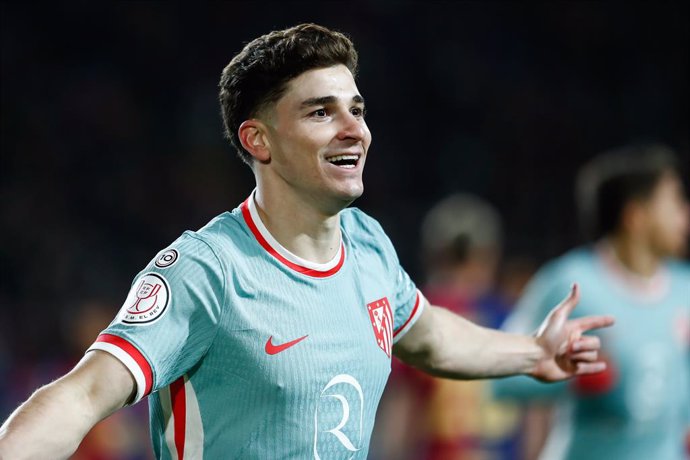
[(382, 323), (147, 301)]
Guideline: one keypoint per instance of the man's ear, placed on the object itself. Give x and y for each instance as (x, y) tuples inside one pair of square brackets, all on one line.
[(252, 134)]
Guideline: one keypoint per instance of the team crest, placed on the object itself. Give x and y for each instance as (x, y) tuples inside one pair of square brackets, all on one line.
[(147, 300), (382, 323)]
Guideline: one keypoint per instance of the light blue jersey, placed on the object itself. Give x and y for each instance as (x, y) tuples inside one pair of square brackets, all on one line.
[(249, 352), (639, 408)]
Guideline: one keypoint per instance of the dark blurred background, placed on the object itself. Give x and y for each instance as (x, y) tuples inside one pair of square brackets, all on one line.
[(111, 139)]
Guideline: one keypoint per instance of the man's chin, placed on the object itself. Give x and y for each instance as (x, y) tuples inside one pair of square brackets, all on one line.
[(344, 198), (351, 195)]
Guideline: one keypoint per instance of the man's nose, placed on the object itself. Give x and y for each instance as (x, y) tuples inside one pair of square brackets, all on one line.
[(352, 128)]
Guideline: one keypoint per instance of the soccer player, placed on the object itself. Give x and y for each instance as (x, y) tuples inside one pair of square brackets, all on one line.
[(633, 203), (268, 333)]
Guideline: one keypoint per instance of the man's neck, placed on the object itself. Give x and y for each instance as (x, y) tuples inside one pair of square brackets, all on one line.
[(299, 226), (635, 254)]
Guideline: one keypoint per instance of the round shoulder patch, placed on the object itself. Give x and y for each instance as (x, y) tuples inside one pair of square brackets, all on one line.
[(147, 301), (166, 259)]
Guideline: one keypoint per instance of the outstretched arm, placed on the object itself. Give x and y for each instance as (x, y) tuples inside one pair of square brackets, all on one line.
[(53, 422), (447, 345)]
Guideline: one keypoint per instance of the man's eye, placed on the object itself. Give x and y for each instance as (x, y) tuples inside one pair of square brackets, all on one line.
[(319, 113), (358, 111)]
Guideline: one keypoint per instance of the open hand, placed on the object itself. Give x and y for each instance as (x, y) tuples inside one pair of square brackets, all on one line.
[(567, 352)]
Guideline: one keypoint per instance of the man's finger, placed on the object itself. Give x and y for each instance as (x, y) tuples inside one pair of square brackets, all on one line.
[(593, 322), (590, 368), (584, 356), (568, 304), (586, 343)]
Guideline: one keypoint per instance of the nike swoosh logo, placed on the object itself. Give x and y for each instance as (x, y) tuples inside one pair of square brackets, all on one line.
[(275, 349)]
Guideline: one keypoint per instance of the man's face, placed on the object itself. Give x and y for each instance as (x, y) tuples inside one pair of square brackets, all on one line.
[(318, 137), (668, 217)]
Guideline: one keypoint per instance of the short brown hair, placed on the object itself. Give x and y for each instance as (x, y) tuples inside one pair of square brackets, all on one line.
[(259, 74)]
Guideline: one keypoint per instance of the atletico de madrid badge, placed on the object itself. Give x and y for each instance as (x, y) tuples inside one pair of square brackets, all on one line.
[(382, 323)]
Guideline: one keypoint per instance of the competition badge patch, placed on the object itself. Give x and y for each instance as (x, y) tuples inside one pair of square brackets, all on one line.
[(382, 323), (166, 259), (147, 300)]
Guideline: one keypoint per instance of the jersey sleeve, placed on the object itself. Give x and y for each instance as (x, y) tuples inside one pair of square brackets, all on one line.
[(170, 316), (409, 301)]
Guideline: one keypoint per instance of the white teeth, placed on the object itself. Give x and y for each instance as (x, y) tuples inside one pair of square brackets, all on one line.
[(342, 158)]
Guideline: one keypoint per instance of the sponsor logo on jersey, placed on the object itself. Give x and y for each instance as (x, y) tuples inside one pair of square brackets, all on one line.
[(273, 349), (339, 417), (147, 301), (382, 323), (167, 258)]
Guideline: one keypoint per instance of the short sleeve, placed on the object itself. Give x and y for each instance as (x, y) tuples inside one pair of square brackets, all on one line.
[(170, 316), (410, 303), (408, 300)]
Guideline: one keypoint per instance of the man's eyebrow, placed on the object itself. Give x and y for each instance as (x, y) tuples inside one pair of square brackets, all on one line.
[(325, 100)]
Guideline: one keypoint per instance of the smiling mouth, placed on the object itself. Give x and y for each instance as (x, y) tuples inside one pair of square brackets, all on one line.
[(344, 161)]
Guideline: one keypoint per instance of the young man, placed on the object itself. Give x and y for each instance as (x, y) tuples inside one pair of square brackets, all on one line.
[(268, 333), (633, 204)]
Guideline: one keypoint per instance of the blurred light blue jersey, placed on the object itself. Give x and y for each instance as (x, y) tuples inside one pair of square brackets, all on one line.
[(639, 408), (250, 352)]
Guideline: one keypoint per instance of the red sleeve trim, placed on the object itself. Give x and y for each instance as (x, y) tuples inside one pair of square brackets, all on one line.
[(135, 354), (414, 310)]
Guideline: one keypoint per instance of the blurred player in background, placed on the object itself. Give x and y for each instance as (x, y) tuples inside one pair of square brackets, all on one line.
[(269, 332), (462, 252), (633, 204)]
